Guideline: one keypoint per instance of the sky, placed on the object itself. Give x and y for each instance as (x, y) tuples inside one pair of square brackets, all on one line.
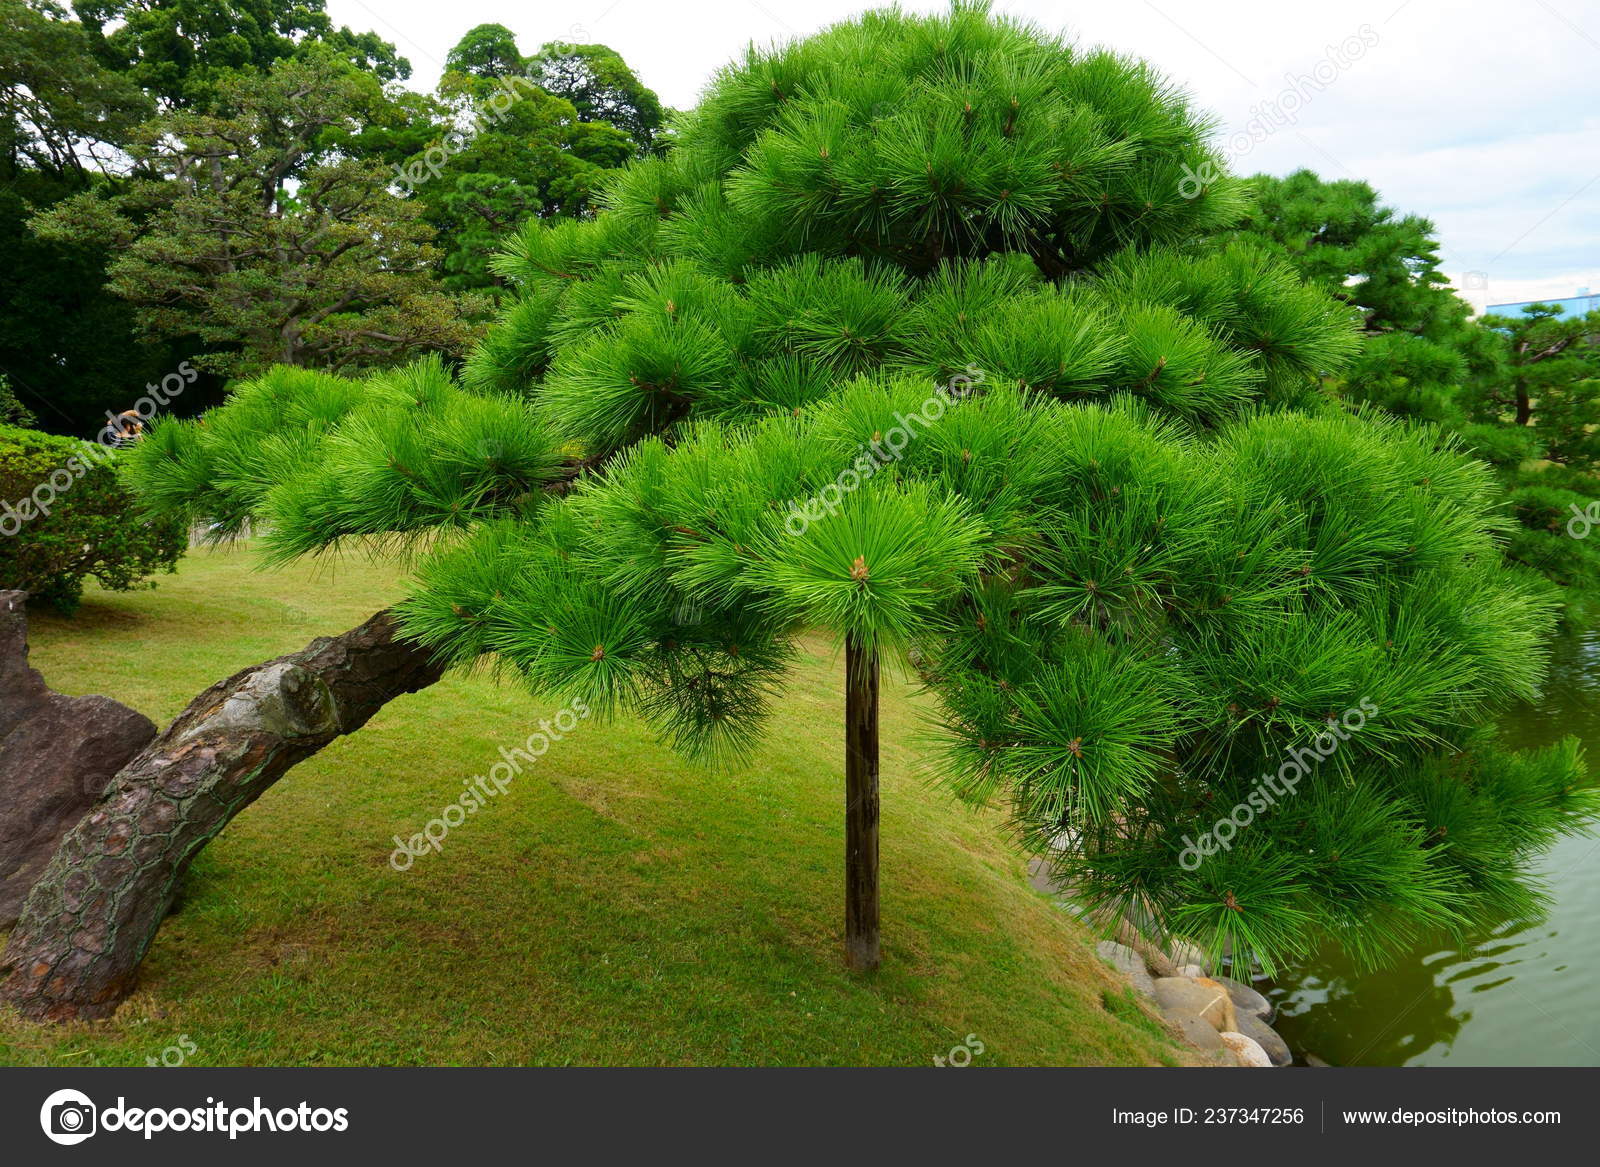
[(1483, 117)]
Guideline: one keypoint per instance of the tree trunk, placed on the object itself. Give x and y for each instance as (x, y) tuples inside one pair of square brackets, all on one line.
[(1524, 403), (861, 807), (95, 909)]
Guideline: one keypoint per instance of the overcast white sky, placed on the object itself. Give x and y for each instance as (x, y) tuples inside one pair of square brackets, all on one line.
[(1483, 116)]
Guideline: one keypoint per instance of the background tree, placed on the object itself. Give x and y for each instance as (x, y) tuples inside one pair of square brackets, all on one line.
[(1550, 385), (1421, 343), (72, 99), (1343, 239), (1538, 418), (260, 237), (522, 153), (67, 345), (487, 50), (181, 52), (549, 166), (12, 411), (1140, 563), (1423, 356), (601, 87)]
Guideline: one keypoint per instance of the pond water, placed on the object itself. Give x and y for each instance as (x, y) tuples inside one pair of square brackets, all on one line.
[(1520, 994)]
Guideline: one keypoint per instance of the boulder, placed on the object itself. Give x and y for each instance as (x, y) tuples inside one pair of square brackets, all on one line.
[(1202, 998), (1129, 963), (1248, 1000), (1199, 1033), (1246, 1050), (1266, 1037), (57, 756), (1193, 971)]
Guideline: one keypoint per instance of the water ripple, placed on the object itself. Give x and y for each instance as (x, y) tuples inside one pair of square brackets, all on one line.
[(1534, 985)]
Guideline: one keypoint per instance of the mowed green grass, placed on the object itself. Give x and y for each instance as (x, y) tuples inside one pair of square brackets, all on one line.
[(618, 905)]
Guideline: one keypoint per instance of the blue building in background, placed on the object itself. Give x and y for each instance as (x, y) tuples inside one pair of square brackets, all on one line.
[(1579, 305)]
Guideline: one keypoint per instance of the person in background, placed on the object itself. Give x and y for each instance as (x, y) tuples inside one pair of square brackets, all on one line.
[(125, 428)]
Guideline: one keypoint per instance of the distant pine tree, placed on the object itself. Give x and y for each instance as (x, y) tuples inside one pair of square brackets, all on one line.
[(1424, 357)]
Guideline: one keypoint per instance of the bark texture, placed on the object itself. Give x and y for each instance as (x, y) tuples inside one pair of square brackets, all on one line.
[(94, 911), (861, 807)]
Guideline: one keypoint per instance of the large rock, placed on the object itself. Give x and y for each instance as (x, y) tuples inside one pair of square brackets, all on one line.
[(1199, 1033), (57, 755), (1129, 963), (1266, 1037), (1247, 1000), (1202, 998), (1246, 1050)]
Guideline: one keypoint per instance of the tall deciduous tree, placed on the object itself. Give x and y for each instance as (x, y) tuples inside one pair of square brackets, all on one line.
[(182, 52), (71, 97), (66, 343), (601, 87), (523, 155), (487, 50), (506, 150), (262, 239)]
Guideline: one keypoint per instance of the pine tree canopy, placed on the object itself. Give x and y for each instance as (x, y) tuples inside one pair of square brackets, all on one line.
[(911, 338)]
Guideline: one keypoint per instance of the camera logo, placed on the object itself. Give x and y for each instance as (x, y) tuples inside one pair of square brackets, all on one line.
[(67, 1117)]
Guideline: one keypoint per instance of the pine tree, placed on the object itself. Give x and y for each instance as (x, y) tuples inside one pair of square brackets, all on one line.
[(1422, 356), (907, 339), (1552, 385), (256, 233)]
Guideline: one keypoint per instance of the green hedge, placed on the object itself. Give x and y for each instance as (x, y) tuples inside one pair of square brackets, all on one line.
[(66, 514)]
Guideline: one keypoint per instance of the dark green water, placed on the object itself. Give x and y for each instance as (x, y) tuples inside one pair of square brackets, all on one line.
[(1521, 994)]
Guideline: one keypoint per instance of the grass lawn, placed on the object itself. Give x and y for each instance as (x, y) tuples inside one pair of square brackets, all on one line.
[(616, 906)]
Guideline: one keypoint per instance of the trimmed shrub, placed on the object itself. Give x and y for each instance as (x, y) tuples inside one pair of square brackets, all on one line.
[(65, 514)]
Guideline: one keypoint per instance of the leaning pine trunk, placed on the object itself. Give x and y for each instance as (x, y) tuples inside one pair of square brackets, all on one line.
[(95, 909), (861, 806)]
